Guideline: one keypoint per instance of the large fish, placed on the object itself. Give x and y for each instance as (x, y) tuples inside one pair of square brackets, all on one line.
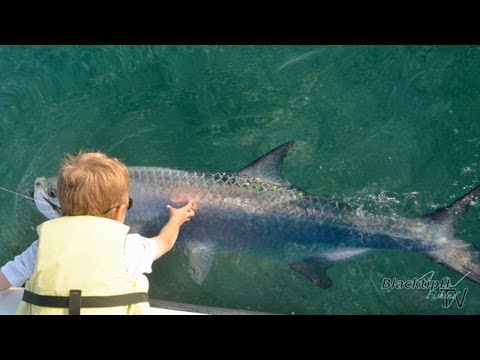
[(256, 211)]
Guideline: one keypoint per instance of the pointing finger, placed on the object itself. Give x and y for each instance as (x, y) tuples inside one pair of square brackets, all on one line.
[(189, 205)]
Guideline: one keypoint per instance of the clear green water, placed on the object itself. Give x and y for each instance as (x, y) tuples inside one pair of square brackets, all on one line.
[(394, 129)]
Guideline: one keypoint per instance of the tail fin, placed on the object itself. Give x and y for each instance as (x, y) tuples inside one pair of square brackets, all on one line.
[(459, 256), (456, 254)]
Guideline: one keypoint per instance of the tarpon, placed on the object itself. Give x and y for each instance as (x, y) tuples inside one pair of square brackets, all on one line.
[(257, 212)]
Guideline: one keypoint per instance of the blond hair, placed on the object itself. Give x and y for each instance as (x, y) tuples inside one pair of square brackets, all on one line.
[(90, 183)]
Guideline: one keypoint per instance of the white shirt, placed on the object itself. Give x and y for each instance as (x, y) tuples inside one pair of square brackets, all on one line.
[(139, 253)]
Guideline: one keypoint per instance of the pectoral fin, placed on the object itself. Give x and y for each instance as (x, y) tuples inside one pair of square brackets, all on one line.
[(200, 256), (315, 267), (315, 271)]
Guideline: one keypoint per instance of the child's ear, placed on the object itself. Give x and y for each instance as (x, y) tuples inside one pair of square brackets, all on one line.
[(119, 213)]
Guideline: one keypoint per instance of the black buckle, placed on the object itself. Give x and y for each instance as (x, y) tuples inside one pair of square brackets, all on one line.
[(74, 302)]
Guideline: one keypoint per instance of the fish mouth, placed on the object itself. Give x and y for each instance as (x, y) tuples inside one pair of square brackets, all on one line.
[(54, 206)]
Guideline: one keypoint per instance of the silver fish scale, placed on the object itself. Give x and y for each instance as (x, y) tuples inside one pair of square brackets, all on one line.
[(232, 191), (239, 204), (235, 198)]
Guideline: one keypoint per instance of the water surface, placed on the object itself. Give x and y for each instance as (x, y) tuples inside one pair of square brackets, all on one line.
[(393, 129)]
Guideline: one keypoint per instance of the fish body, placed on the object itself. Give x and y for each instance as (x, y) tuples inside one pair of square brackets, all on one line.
[(256, 212)]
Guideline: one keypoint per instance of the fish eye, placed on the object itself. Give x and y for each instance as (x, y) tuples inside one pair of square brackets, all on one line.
[(52, 194)]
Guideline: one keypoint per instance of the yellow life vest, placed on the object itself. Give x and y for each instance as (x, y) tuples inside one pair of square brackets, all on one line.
[(83, 253)]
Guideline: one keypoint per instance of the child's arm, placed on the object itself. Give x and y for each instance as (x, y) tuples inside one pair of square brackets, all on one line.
[(20, 269), (169, 233), (4, 284)]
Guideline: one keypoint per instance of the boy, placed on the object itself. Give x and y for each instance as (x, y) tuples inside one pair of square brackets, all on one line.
[(85, 259)]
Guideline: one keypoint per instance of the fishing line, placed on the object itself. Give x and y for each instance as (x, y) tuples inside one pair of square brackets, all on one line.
[(26, 197)]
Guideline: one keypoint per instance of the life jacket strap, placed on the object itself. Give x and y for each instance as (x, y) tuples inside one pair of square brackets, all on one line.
[(76, 301)]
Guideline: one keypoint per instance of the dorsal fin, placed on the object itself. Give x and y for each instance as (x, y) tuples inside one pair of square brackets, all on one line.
[(451, 213), (267, 167)]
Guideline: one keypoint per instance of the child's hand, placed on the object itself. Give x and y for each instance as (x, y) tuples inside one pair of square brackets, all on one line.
[(183, 214)]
